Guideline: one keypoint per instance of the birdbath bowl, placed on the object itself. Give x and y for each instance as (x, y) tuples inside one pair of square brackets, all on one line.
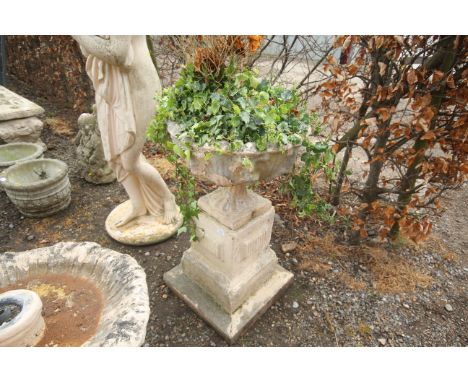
[(13, 153), (91, 296), (230, 275)]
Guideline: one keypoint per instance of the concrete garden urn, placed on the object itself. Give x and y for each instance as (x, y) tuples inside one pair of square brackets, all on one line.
[(38, 187), (13, 153), (230, 276), (69, 278)]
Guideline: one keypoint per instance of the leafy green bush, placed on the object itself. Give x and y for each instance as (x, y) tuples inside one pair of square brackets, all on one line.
[(316, 157), (239, 110)]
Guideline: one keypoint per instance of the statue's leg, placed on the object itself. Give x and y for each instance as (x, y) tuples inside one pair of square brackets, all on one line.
[(131, 183), (132, 186), (152, 177), (144, 111), (154, 180), (139, 169)]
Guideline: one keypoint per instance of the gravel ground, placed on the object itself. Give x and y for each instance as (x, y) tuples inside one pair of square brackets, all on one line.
[(373, 295)]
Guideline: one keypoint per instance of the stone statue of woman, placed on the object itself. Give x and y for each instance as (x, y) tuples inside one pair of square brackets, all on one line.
[(125, 83)]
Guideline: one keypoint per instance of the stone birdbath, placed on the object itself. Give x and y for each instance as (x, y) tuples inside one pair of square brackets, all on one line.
[(91, 296), (230, 276), (38, 187), (13, 153)]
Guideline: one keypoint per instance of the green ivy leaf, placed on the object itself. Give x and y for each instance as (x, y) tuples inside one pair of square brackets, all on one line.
[(245, 116)]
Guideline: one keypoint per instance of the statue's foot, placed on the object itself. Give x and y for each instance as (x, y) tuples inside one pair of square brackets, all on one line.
[(171, 212), (133, 214)]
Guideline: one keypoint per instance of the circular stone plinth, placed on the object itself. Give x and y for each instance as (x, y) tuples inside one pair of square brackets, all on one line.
[(143, 230)]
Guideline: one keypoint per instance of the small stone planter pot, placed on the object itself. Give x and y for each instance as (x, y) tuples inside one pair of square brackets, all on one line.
[(21, 322), (13, 153), (117, 276), (38, 187)]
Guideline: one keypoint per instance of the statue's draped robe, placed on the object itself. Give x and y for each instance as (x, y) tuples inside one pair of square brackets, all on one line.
[(116, 120)]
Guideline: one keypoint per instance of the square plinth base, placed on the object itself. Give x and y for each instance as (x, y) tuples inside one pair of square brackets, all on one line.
[(230, 326)]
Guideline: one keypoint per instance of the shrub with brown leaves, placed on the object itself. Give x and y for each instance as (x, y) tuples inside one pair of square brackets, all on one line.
[(53, 67)]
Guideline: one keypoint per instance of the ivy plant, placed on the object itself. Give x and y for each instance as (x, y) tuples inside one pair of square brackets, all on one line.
[(227, 114)]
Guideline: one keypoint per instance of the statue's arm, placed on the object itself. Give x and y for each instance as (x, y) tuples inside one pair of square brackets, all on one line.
[(113, 50)]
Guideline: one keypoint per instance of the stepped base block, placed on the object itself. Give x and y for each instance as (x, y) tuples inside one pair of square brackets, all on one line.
[(230, 326), (229, 292)]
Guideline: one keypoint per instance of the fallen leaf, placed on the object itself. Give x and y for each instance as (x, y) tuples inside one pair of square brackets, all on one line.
[(384, 113), (411, 77), (429, 136), (382, 68)]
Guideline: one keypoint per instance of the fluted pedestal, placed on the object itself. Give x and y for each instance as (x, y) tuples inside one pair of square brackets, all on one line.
[(231, 275)]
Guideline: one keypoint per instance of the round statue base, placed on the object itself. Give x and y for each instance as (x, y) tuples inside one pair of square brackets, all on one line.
[(143, 230)]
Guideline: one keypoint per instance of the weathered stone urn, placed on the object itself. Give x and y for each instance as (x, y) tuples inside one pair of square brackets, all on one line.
[(38, 187), (230, 276), (119, 282)]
